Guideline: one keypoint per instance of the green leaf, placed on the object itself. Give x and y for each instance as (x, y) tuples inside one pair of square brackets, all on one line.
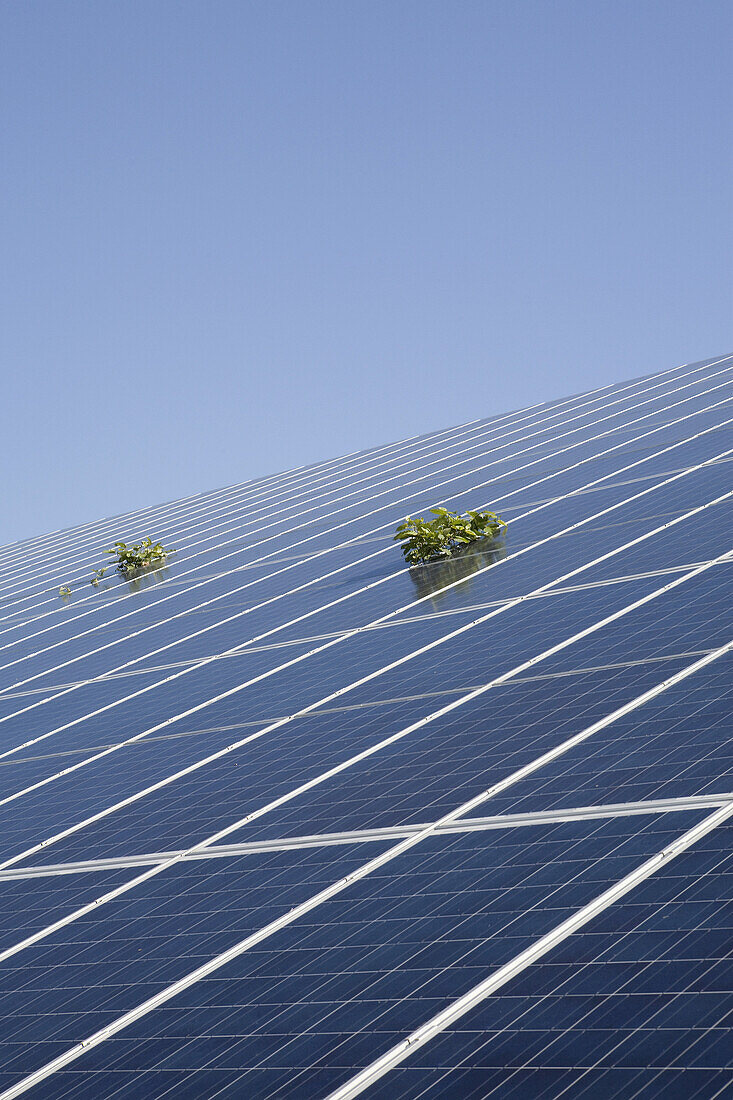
[(424, 540)]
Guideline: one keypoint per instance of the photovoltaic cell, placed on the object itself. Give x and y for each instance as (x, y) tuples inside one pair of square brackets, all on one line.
[(287, 819)]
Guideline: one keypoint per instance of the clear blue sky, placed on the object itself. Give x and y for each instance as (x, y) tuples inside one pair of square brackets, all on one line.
[(242, 236)]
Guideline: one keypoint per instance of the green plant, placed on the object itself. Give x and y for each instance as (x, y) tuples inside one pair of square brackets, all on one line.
[(97, 576), (64, 590), (430, 540), (139, 555)]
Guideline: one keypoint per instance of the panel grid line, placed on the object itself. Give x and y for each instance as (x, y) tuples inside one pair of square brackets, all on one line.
[(370, 836)]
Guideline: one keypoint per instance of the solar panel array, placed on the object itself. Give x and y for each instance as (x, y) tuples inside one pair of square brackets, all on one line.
[(287, 819)]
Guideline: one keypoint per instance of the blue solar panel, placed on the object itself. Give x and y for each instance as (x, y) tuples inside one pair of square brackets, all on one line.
[(285, 818), (638, 1005)]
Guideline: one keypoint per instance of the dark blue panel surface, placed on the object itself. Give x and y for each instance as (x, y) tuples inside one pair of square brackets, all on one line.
[(305, 684), (298, 1013), (679, 744), (639, 1004)]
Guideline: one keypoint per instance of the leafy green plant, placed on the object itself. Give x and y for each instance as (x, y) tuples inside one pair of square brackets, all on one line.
[(431, 540), (139, 555), (131, 560)]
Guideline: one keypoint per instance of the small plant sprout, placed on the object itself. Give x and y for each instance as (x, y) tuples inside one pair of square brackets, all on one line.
[(139, 555), (130, 560), (431, 540)]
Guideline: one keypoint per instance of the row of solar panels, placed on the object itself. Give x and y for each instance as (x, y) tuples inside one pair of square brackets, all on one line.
[(292, 820)]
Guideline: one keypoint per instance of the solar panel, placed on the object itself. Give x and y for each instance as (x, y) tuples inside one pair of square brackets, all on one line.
[(285, 818)]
